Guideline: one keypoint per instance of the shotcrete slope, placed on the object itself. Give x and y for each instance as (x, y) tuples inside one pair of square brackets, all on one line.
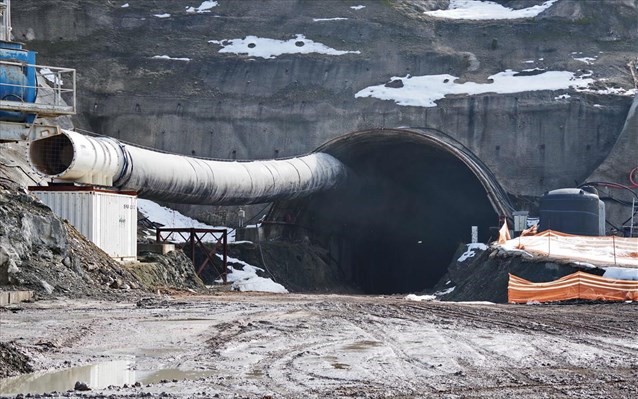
[(236, 106)]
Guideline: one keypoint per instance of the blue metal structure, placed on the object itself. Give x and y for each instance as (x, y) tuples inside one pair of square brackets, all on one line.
[(18, 81)]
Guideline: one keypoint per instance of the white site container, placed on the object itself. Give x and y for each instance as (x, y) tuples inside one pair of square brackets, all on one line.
[(106, 218)]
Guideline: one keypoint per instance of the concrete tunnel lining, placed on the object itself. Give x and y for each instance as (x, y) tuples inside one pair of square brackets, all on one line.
[(409, 201)]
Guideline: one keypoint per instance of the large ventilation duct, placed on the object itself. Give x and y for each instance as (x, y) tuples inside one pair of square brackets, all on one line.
[(71, 156)]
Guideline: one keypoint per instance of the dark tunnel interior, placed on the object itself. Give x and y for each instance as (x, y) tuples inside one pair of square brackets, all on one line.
[(401, 215)]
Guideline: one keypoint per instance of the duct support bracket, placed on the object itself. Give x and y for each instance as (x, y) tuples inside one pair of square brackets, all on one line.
[(194, 240)]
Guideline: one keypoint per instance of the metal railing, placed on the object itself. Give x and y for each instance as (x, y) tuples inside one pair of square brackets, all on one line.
[(56, 91), (5, 17)]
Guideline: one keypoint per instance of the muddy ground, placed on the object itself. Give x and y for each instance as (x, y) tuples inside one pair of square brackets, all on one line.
[(239, 345)]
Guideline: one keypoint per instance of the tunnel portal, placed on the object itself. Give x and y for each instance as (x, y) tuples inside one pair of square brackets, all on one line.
[(407, 204)]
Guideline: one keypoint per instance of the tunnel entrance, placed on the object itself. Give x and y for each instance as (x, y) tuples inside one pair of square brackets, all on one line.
[(394, 226)]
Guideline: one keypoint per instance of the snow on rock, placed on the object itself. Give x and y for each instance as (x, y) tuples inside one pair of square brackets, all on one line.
[(444, 292), (562, 97), (586, 60), (248, 280), (471, 251), (357, 8), (423, 91), (270, 48), (166, 57), (162, 15), (329, 19), (585, 265), (482, 10), (51, 76), (611, 91), (420, 298), (172, 218), (203, 8), (47, 287), (621, 273)]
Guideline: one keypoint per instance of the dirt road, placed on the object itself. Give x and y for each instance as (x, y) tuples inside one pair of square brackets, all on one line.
[(318, 346)]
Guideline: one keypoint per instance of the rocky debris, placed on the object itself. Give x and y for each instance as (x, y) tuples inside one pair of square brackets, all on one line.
[(13, 361), (41, 252), (173, 270), (484, 277), (395, 84), (300, 267), (81, 386)]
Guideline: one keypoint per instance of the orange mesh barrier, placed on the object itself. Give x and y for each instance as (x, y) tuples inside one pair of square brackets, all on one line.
[(621, 251), (579, 285)]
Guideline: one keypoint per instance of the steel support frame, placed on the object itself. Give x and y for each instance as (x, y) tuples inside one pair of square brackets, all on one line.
[(194, 237)]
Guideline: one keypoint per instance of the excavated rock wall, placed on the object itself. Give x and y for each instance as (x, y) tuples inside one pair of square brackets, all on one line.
[(235, 106)]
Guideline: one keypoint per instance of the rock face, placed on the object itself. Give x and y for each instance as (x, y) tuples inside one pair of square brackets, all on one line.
[(41, 252), (201, 101)]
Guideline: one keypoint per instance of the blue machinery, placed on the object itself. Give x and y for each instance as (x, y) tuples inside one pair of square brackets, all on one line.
[(18, 82), (29, 91)]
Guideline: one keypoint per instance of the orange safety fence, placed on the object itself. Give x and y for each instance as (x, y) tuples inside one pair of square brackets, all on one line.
[(620, 251), (578, 285)]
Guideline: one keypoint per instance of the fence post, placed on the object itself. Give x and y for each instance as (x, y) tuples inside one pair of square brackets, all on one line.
[(614, 243)]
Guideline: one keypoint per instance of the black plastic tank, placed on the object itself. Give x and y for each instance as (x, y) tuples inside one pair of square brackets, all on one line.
[(573, 211)]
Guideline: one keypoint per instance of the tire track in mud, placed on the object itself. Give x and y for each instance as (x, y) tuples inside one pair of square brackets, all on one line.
[(279, 364)]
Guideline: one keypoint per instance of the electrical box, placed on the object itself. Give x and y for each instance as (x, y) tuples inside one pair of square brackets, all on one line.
[(106, 218)]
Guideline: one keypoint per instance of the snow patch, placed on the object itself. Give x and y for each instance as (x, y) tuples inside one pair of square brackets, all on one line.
[(248, 280), (166, 57), (172, 218), (423, 91), (482, 10), (125, 5), (51, 76), (359, 7), (471, 251), (621, 273), (203, 8), (254, 46), (162, 15), (420, 298)]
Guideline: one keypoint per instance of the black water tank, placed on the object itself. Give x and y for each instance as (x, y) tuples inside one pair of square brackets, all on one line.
[(573, 211)]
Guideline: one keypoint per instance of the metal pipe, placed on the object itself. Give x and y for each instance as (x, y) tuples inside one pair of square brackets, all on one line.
[(71, 156)]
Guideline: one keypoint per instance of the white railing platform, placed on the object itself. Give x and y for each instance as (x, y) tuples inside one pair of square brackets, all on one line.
[(56, 91)]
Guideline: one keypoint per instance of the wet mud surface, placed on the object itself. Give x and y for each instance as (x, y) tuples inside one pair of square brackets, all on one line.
[(326, 346)]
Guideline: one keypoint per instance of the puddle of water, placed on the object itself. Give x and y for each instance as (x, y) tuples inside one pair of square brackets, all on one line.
[(335, 363), (362, 345), (166, 320), (153, 377), (97, 376), (255, 373)]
